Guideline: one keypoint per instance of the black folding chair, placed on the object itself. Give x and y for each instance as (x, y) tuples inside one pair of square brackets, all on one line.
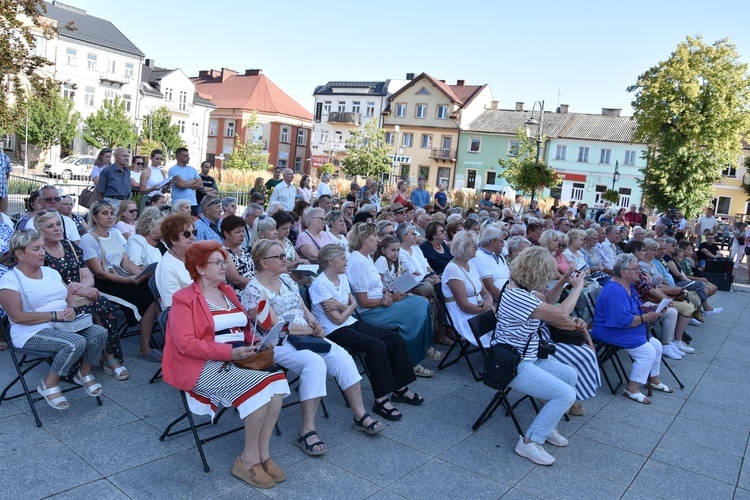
[(604, 352), (157, 299), (29, 360), (465, 348)]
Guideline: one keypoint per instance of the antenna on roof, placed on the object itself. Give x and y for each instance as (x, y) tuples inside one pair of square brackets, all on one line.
[(558, 96)]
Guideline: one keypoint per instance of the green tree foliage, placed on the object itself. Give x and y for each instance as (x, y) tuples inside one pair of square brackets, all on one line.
[(19, 21), (521, 170), (367, 152), (692, 109), (110, 126), (158, 127), (51, 122), (611, 196), (328, 167), (248, 156)]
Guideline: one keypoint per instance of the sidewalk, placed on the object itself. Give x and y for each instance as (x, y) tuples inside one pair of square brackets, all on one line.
[(690, 444)]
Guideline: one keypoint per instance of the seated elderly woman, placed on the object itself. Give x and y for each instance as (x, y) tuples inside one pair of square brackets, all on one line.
[(36, 298), (386, 359), (181, 206), (704, 289), (67, 259), (519, 316), (555, 243), (516, 245), (145, 246), (463, 288), (65, 207), (315, 237), (621, 320), (593, 259), (198, 359), (385, 228), (574, 255), (284, 221), (434, 248), (272, 284), (178, 233), (229, 206), (337, 228), (240, 268), (489, 262), (116, 275), (379, 306)]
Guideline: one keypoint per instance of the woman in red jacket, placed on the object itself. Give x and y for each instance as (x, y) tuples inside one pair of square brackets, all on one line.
[(205, 320)]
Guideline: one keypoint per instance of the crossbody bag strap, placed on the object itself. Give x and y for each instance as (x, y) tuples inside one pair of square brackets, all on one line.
[(468, 278), (317, 247), (72, 249)]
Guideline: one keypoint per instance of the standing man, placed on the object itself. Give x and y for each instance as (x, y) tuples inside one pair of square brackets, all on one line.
[(5, 170), (375, 195), (209, 183), (114, 180), (420, 196), (285, 191), (207, 223), (572, 210), (441, 199), (707, 221), (185, 180), (50, 198), (632, 217), (272, 183), (486, 203)]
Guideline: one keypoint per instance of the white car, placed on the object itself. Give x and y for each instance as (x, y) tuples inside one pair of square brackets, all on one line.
[(74, 166)]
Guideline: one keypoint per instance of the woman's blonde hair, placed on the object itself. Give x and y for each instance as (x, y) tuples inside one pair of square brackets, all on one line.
[(575, 234), (533, 269), (463, 242), (149, 219), (547, 237), (261, 249), (122, 207), (359, 233), (43, 216), (327, 254)]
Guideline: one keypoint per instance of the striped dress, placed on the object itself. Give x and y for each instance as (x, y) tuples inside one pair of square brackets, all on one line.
[(582, 359), (227, 384)]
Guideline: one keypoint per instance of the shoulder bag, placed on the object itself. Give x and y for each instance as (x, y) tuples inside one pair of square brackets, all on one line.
[(501, 363), (88, 197)]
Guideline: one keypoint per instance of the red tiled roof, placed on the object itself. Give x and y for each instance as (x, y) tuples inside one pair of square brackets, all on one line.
[(466, 93), (445, 88), (251, 92)]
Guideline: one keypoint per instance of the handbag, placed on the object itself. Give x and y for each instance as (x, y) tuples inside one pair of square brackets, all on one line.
[(500, 366), (572, 337), (747, 250), (314, 344), (261, 360), (88, 197)]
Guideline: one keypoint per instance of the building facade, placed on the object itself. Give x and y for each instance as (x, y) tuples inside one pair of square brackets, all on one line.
[(729, 198)]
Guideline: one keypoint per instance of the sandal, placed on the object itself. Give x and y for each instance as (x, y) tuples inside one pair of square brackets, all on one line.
[(387, 413), (637, 396), (442, 339), (400, 397), (3, 345), (434, 354), (255, 475), (94, 390), (119, 373), (310, 448), (58, 403), (421, 371), (659, 387), (374, 427)]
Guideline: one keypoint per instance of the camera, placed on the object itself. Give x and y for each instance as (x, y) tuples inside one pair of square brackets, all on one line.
[(545, 349)]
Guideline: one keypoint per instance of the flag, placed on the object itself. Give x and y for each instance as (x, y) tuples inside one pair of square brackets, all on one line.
[(263, 317)]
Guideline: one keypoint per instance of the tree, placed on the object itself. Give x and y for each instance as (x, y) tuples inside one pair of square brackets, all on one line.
[(248, 155), (521, 170), (367, 152), (19, 21), (692, 109), (159, 128), (51, 122), (110, 126)]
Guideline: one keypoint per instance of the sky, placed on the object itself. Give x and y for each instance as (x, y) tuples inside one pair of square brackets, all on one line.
[(581, 53)]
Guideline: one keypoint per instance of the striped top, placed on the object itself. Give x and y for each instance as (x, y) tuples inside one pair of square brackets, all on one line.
[(229, 320), (514, 322)]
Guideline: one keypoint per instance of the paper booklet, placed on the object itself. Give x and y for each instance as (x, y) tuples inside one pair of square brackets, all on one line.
[(663, 304), (277, 334), (307, 269), (404, 283)]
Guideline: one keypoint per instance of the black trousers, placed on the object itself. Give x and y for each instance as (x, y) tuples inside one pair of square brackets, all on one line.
[(386, 358)]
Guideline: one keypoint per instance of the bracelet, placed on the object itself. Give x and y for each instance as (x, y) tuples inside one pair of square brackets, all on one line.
[(53, 316), (641, 315)]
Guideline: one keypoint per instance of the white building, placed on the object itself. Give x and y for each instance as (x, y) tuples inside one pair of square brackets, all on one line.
[(172, 89)]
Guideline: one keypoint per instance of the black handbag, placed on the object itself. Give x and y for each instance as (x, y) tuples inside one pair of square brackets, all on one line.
[(314, 344), (500, 366), (572, 337)]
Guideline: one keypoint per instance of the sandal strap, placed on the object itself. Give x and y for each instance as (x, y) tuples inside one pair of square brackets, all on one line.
[(303, 439), (84, 380), (361, 422), (48, 391)]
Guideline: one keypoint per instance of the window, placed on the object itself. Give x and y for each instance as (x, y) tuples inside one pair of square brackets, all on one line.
[(426, 141), (407, 140), (389, 138), (355, 106), (229, 128), (281, 164), (326, 107), (624, 197), (583, 154), (284, 134), (68, 91), (729, 172), (109, 95), (195, 129), (577, 193), (89, 96), (183, 100), (491, 176), (474, 144), (129, 70), (71, 57), (604, 155), (471, 178), (300, 138), (629, 158), (339, 139), (370, 109), (323, 137), (442, 112), (561, 151), (91, 62), (513, 148), (342, 106), (421, 111), (168, 94), (128, 100), (298, 164), (111, 65), (213, 128), (723, 205), (400, 110), (40, 46), (600, 189), (181, 125)]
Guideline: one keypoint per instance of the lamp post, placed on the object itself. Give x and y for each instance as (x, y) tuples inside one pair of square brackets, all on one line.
[(535, 128), (616, 175)]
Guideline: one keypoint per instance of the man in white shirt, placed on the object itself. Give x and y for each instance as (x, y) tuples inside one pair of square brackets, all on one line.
[(516, 209), (50, 198), (285, 191), (607, 248), (707, 221), (572, 210)]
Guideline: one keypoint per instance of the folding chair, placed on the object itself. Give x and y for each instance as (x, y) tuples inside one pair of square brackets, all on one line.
[(604, 352), (157, 299), (653, 332), (465, 347), (29, 360)]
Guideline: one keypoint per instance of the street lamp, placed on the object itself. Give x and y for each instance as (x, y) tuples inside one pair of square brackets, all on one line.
[(534, 128), (616, 175)]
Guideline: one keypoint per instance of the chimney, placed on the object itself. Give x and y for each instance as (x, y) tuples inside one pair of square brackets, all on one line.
[(226, 73), (214, 73), (203, 73), (563, 109), (150, 63), (253, 72), (493, 105), (442, 81), (611, 111), (519, 106), (410, 76), (460, 83)]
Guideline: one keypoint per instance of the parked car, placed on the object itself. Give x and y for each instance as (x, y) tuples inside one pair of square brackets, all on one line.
[(74, 166)]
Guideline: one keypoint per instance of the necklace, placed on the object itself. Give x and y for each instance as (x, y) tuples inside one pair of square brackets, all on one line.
[(438, 248), (55, 252), (175, 254)]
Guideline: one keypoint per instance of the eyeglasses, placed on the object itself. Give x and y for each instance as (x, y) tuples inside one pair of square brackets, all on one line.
[(220, 263), (139, 163), (631, 269), (281, 257), (132, 210), (47, 211), (51, 199), (187, 234), (214, 202)]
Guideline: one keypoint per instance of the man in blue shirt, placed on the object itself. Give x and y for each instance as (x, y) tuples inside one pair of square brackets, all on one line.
[(207, 224), (486, 203), (114, 181), (186, 180), (420, 196)]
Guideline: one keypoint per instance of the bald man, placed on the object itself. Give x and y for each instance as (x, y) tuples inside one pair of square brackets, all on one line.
[(114, 180), (285, 191)]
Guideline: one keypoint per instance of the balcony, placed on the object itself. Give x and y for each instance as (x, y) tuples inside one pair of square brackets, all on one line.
[(443, 154), (114, 78), (342, 117)]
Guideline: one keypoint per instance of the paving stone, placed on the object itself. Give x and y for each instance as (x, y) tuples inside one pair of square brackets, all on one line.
[(564, 481), (612, 463), (699, 459), (437, 478), (658, 479), (101, 490)]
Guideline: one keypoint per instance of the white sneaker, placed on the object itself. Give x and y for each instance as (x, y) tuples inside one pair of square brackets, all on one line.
[(667, 351), (556, 439), (695, 322), (534, 452), (715, 310), (682, 346)]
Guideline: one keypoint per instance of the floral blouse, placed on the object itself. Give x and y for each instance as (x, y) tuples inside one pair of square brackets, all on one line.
[(69, 265), (287, 301), (244, 264)]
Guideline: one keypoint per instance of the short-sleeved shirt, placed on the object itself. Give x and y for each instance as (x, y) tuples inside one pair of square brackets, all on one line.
[(272, 183), (713, 248), (5, 169), (244, 264), (69, 264), (323, 289), (614, 313), (141, 253), (186, 173), (323, 239), (437, 261), (341, 241), (287, 301), (489, 265), (470, 278), (441, 198), (324, 189), (114, 247), (419, 197), (707, 223), (208, 182), (515, 326), (414, 263), (364, 276), (207, 230), (114, 183)]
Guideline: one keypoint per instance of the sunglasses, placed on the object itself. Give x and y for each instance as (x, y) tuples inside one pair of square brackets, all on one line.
[(139, 163), (51, 199), (187, 234), (132, 210), (214, 202)]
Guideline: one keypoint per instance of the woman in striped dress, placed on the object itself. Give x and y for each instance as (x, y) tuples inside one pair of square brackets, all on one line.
[(206, 322)]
